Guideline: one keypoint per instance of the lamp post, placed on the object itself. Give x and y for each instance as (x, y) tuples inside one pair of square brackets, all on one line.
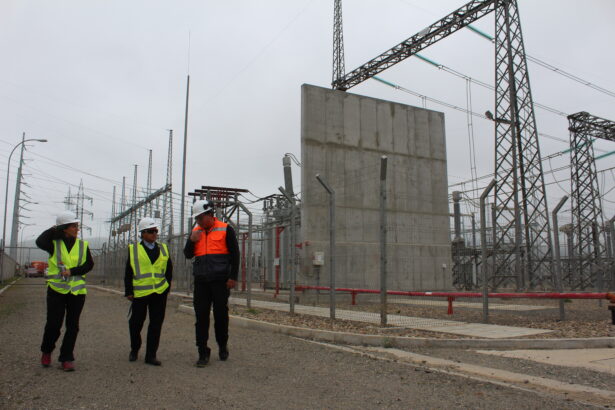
[(6, 197)]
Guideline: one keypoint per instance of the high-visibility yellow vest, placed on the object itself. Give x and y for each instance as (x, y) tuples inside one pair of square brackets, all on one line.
[(74, 284), (148, 277)]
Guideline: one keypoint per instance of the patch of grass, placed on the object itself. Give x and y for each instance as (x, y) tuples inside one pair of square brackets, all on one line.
[(253, 311), (387, 343), (567, 300)]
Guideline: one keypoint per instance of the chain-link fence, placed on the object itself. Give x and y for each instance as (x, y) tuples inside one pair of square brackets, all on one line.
[(390, 267), (10, 267)]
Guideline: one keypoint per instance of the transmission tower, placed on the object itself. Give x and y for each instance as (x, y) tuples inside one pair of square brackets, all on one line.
[(76, 204), (523, 242), (339, 68), (523, 246), (588, 265), (167, 210)]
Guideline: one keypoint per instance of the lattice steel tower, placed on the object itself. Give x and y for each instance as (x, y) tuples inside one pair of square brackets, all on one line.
[(523, 246), (588, 266), (167, 203), (522, 236), (339, 68)]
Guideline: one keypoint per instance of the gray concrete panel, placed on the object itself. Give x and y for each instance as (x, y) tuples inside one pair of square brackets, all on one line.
[(343, 136)]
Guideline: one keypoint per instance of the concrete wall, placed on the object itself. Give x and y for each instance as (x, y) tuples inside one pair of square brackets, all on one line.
[(343, 136)]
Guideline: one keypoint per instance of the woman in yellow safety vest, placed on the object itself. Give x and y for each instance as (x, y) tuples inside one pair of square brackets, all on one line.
[(69, 261), (147, 282)]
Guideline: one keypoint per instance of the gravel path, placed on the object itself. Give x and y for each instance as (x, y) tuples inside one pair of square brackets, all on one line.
[(264, 371)]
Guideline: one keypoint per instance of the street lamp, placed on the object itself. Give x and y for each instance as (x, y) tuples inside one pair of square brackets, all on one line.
[(6, 197)]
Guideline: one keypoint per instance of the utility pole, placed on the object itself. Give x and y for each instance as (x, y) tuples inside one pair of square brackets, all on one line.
[(183, 198), (148, 207), (167, 203), (15, 226), (133, 216)]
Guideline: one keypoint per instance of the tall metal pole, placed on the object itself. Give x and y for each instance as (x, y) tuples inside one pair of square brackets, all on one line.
[(293, 273), (6, 197), (15, 225), (249, 279), (558, 263), (483, 244), (148, 207), (111, 225), (331, 245), (133, 215), (474, 264), (383, 241), (183, 198)]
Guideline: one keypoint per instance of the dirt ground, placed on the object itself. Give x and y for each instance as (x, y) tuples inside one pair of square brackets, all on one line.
[(264, 370)]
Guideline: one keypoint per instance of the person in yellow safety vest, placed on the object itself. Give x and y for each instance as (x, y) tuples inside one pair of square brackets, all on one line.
[(69, 261), (147, 282)]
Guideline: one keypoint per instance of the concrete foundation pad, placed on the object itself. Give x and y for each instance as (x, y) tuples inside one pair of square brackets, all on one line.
[(601, 360), (434, 325), (571, 391)]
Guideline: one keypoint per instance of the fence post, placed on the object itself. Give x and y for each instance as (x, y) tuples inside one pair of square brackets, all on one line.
[(611, 230), (293, 274), (331, 246), (383, 241), (558, 265), (249, 294), (483, 244)]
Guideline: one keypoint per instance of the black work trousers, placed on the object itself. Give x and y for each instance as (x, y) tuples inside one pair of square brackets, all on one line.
[(206, 294), (157, 305), (57, 305)]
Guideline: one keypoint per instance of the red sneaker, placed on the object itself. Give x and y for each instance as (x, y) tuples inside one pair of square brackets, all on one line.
[(46, 359), (68, 366)]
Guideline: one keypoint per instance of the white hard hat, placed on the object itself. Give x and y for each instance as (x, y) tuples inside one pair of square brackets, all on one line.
[(202, 206), (147, 223), (65, 218)]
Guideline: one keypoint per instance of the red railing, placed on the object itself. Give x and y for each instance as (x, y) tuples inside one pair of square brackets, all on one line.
[(452, 295)]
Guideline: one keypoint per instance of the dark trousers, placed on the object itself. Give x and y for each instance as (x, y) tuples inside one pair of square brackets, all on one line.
[(157, 305), (206, 294), (57, 305)]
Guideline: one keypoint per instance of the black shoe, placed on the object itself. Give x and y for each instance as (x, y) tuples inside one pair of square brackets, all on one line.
[(223, 353), (203, 357), (132, 357), (153, 361)]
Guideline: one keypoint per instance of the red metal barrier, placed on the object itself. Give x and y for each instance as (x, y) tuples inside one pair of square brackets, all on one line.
[(452, 295), (278, 231)]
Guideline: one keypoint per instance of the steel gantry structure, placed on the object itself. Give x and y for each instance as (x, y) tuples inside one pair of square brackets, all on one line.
[(588, 266), (522, 247)]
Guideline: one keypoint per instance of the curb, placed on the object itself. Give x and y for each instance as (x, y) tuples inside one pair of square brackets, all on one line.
[(400, 341), (9, 285)]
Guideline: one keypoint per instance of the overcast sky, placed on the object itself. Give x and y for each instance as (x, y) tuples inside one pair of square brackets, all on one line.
[(104, 80)]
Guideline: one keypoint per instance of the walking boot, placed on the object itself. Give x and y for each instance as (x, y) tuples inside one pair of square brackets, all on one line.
[(203, 357), (134, 354), (153, 361), (223, 353), (46, 359), (68, 366)]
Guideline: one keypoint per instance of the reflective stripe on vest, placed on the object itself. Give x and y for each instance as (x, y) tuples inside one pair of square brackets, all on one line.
[(147, 287), (74, 284), (152, 281)]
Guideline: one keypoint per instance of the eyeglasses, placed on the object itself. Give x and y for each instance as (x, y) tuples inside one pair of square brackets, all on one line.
[(154, 230)]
